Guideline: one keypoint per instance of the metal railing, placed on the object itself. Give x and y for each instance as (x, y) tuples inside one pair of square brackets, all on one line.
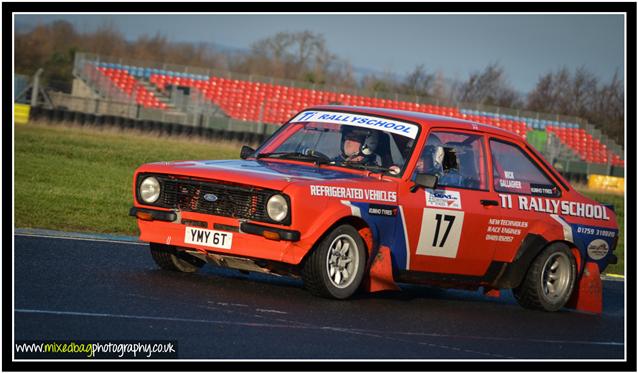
[(125, 109)]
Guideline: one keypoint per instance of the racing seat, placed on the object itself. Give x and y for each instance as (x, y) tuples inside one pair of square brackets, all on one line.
[(467, 166), (383, 150)]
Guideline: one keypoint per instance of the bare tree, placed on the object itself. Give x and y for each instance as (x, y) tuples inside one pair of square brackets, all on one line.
[(419, 82), (489, 87), (581, 94)]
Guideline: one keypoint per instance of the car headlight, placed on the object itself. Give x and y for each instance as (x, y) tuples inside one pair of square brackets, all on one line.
[(277, 208), (149, 189)]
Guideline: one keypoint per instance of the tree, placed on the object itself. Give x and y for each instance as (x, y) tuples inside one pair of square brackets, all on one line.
[(419, 82), (489, 87), (581, 94)]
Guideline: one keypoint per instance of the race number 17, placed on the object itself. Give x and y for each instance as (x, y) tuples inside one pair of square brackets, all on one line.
[(447, 218), (440, 233)]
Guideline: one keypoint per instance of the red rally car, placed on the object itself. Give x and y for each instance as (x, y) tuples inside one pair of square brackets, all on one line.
[(352, 197)]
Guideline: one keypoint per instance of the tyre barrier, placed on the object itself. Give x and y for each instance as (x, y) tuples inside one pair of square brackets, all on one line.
[(68, 116), (80, 119), (35, 113), (58, 115)]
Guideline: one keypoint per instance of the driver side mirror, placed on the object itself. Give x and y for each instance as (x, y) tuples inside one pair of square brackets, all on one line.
[(246, 151), (425, 180)]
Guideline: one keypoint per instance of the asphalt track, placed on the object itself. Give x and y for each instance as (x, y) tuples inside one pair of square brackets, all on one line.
[(83, 289)]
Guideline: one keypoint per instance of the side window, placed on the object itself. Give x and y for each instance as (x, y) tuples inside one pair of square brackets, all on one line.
[(469, 172), (515, 172)]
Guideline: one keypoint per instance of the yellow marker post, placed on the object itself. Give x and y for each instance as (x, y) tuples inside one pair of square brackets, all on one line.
[(21, 113)]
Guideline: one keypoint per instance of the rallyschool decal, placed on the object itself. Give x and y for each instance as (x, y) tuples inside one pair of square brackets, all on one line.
[(554, 206), (358, 120), (353, 193), (441, 198), (597, 249)]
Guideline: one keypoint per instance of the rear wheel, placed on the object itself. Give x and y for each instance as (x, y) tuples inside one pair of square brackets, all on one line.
[(549, 281), (335, 268), (167, 257)]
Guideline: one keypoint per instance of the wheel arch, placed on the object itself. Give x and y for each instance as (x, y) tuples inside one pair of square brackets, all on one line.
[(364, 229), (532, 245)]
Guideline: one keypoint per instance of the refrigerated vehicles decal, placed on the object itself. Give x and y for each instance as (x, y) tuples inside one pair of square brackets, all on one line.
[(353, 193)]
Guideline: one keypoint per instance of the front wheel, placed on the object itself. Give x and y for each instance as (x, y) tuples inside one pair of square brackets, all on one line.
[(166, 257), (550, 280), (335, 268)]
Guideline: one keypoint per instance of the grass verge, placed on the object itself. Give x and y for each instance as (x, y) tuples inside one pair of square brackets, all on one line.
[(80, 179)]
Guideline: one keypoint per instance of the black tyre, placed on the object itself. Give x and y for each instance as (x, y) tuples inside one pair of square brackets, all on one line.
[(166, 257), (335, 267), (549, 281)]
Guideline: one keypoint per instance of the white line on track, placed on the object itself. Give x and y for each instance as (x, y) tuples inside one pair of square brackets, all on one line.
[(270, 311), (80, 239), (157, 318), (284, 326)]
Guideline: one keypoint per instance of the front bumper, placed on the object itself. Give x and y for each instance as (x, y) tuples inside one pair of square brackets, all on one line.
[(249, 239)]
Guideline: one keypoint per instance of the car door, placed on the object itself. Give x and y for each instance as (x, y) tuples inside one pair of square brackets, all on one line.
[(526, 194), (445, 226)]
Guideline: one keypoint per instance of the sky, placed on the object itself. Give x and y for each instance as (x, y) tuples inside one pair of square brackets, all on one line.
[(456, 45)]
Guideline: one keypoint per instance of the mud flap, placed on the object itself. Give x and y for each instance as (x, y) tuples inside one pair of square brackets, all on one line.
[(588, 294), (380, 277)]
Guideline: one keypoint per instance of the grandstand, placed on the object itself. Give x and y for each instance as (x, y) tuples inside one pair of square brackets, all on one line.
[(266, 101)]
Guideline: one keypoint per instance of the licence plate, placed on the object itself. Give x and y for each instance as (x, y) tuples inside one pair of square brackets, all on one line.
[(207, 237)]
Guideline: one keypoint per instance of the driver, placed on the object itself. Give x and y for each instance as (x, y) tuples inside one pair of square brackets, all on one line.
[(430, 162), (358, 145)]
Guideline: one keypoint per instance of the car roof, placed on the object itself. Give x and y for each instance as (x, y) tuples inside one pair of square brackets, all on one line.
[(424, 119)]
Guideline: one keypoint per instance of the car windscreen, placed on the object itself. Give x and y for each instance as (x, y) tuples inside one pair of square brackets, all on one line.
[(347, 140)]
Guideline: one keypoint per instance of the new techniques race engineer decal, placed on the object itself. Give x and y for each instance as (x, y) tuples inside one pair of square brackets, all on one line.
[(554, 206)]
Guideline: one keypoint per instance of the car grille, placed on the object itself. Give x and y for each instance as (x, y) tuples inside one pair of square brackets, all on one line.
[(233, 201)]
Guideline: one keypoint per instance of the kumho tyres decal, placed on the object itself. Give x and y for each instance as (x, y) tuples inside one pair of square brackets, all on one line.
[(359, 120)]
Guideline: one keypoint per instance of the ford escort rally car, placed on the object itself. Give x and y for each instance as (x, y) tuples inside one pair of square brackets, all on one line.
[(350, 198)]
